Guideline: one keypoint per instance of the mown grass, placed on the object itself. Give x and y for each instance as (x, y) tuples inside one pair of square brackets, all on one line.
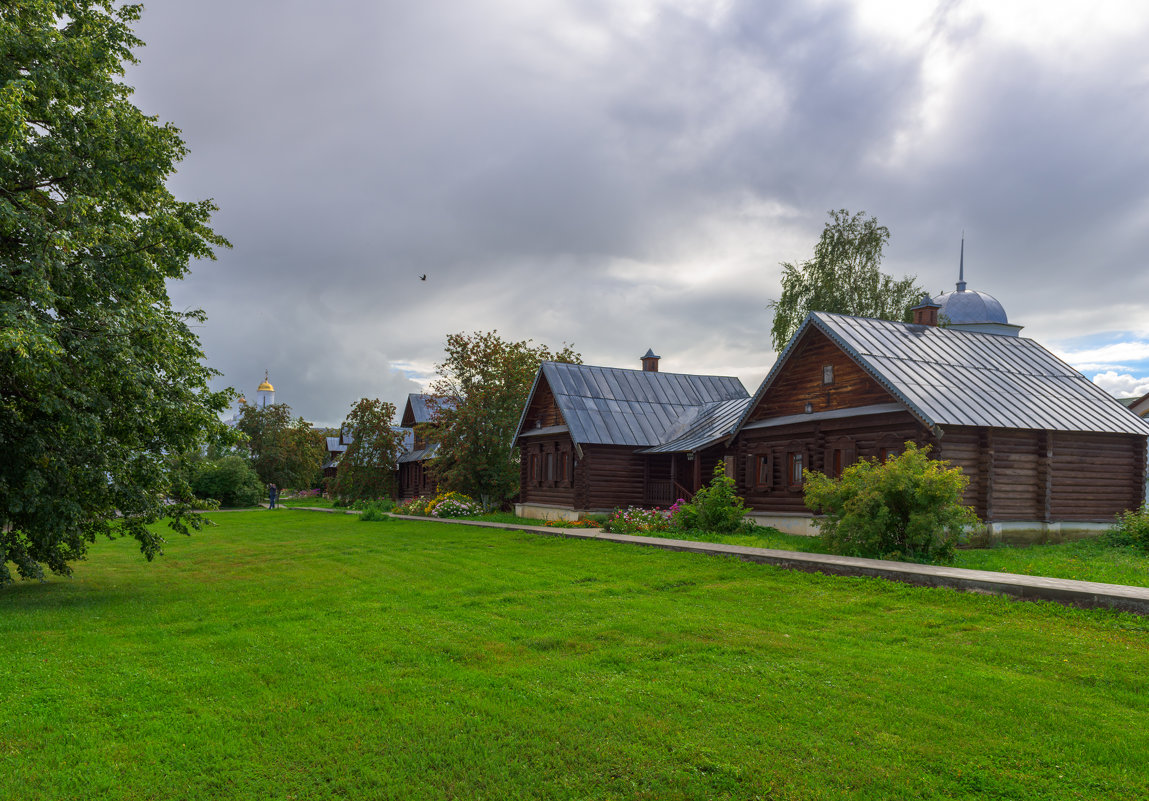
[(1085, 560), (291, 655)]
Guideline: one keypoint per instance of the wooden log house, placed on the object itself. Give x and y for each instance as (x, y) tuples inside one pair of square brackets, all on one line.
[(586, 435), (415, 479), (1045, 449)]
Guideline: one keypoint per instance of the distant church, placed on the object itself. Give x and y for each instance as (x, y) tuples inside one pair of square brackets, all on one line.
[(264, 397)]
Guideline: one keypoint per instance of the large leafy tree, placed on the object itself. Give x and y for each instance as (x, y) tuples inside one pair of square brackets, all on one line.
[(842, 277), (367, 467), (477, 399), (285, 451), (102, 385)]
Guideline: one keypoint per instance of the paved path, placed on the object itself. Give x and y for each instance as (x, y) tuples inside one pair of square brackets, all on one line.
[(1029, 588)]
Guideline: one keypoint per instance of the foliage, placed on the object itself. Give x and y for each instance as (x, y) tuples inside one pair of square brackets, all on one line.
[(715, 507), (415, 506), (229, 480), (477, 400), (572, 524), (1131, 529), (453, 504), (843, 277), (367, 467), (637, 520), (284, 452), (908, 508), (377, 511), (102, 386)]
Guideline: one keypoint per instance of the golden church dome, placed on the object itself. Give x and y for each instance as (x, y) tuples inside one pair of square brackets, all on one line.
[(265, 387)]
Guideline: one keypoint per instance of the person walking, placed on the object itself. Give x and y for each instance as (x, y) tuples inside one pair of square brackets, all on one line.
[(272, 494)]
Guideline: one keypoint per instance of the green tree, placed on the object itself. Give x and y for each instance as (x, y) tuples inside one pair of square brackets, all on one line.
[(843, 277), (284, 451), (102, 385), (367, 467), (909, 507), (228, 480), (477, 399)]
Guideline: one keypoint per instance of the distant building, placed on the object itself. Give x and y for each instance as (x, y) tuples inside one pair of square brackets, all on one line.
[(264, 397)]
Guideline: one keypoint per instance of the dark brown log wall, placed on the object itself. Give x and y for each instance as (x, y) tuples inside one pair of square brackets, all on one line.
[(559, 488), (863, 437), (415, 481), (543, 411), (1029, 475), (614, 476), (801, 380)]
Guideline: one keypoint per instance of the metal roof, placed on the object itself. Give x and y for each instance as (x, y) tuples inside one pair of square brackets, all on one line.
[(711, 424), (953, 377), (417, 411), (612, 406)]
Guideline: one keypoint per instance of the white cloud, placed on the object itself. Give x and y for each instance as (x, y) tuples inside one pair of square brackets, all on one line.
[(1115, 354), (1122, 385)]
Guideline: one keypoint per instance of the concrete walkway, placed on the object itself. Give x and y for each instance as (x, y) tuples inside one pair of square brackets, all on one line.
[(1028, 588)]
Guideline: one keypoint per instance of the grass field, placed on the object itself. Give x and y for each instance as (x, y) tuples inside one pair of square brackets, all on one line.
[(1084, 560), (288, 655)]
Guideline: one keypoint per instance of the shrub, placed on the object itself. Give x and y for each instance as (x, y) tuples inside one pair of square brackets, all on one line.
[(416, 506), (377, 511), (453, 504), (908, 508), (230, 480), (1131, 529), (636, 520), (715, 508)]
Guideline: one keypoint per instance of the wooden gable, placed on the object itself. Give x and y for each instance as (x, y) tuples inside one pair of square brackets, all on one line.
[(803, 379), (543, 410)]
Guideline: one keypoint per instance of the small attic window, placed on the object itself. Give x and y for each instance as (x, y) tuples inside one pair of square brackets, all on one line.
[(827, 374)]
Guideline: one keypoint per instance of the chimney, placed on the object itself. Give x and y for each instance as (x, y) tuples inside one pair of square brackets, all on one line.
[(650, 362), (926, 312)]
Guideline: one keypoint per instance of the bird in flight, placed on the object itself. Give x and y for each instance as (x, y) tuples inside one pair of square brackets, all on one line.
[(423, 277)]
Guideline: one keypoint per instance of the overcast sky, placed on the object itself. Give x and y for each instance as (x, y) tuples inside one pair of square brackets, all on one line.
[(628, 174)]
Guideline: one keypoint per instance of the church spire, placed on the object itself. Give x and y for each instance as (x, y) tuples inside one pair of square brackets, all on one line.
[(961, 265)]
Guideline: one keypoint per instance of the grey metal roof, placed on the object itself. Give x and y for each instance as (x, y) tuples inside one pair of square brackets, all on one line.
[(952, 377), (417, 411), (612, 406), (419, 455), (334, 445), (710, 424)]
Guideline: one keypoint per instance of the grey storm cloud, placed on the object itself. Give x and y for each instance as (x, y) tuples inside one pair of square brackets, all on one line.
[(617, 175)]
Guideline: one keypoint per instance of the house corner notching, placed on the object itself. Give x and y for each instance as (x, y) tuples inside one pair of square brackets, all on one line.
[(1040, 443)]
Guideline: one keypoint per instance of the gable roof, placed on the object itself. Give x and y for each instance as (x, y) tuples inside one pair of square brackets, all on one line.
[(613, 406), (417, 411), (951, 377)]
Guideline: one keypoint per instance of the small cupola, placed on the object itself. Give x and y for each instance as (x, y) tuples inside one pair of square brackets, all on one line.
[(650, 361)]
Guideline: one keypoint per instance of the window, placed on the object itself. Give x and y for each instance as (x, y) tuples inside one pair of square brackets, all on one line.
[(762, 470), (795, 464), (827, 374), (550, 466), (836, 463), (533, 468), (885, 454)]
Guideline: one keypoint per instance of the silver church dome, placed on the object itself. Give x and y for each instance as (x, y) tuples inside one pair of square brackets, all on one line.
[(970, 310)]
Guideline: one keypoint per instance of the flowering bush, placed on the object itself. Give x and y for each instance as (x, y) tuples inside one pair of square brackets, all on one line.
[(572, 524), (418, 506), (453, 504), (636, 520)]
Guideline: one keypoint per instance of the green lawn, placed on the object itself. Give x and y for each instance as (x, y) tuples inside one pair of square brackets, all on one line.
[(1085, 560), (288, 655)]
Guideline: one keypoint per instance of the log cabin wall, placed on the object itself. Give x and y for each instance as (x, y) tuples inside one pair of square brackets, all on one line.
[(802, 380), (767, 459), (543, 411), (415, 481), (1047, 476), (614, 477), (548, 471)]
